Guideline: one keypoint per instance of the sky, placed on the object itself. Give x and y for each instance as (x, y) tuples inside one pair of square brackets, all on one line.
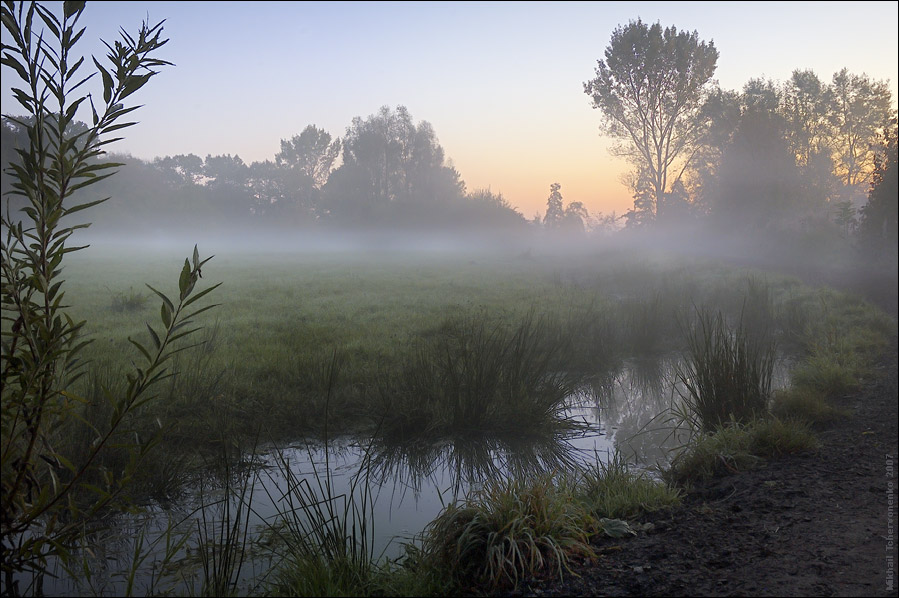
[(500, 82)]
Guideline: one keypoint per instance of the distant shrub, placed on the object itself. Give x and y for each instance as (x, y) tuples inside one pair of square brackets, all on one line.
[(128, 302)]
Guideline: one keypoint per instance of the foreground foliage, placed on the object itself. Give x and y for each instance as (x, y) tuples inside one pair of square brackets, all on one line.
[(50, 496)]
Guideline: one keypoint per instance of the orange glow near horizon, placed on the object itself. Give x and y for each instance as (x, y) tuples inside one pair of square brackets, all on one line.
[(594, 180), (568, 150)]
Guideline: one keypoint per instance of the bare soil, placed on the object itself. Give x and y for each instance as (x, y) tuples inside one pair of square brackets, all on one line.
[(813, 524)]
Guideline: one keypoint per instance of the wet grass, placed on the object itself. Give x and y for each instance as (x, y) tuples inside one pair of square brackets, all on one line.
[(738, 447), (506, 530), (612, 489), (728, 373), (490, 343), (806, 404)]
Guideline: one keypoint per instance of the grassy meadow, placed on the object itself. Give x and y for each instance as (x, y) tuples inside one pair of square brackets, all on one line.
[(301, 339)]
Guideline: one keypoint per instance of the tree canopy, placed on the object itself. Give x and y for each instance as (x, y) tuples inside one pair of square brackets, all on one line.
[(650, 89)]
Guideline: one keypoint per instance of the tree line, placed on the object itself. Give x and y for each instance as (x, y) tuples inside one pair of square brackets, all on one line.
[(775, 157), (387, 170)]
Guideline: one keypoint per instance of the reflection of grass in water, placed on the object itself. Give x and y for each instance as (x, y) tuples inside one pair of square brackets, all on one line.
[(468, 460), (650, 376), (639, 390)]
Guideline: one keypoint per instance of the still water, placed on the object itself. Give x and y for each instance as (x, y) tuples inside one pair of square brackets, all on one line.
[(400, 491)]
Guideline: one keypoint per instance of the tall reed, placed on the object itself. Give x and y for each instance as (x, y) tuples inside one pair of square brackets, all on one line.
[(481, 377), (323, 537), (727, 374)]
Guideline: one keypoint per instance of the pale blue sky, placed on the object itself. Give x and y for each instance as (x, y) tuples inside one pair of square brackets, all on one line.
[(502, 83)]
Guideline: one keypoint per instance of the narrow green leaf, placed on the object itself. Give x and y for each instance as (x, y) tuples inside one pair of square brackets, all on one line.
[(72, 8), (201, 310), (201, 294), (108, 84), (9, 61), (164, 298), (154, 336), (166, 316), (175, 337), (140, 348), (89, 204), (184, 279), (111, 128)]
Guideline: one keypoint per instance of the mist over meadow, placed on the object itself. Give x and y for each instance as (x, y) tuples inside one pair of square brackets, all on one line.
[(780, 170), (375, 343)]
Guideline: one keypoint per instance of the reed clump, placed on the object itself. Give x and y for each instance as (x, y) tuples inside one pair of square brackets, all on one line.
[(508, 529), (612, 489), (727, 375), (478, 376)]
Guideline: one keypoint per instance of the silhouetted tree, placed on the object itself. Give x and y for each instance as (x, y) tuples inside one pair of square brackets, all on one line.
[(393, 171), (721, 111), (880, 216), (643, 212), (558, 217), (805, 105), (758, 184), (650, 89), (678, 205), (281, 195), (311, 152), (844, 216), (485, 209), (555, 212), (181, 169), (226, 169), (860, 111), (228, 183), (576, 216)]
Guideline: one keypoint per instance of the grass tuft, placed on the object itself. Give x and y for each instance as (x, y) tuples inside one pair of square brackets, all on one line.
[(477, 376), (727, 375), (507, 530), (611, 490), (128, 302), (806, 404), (738, 447)]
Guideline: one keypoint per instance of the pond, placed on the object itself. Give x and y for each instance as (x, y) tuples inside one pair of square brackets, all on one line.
[(397, 490)]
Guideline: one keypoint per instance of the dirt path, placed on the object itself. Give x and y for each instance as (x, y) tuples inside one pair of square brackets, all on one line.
[(807, 525)]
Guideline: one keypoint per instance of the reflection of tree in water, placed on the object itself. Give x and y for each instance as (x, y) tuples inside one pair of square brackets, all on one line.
[(638, 408), (649, 376), (457, 464)]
